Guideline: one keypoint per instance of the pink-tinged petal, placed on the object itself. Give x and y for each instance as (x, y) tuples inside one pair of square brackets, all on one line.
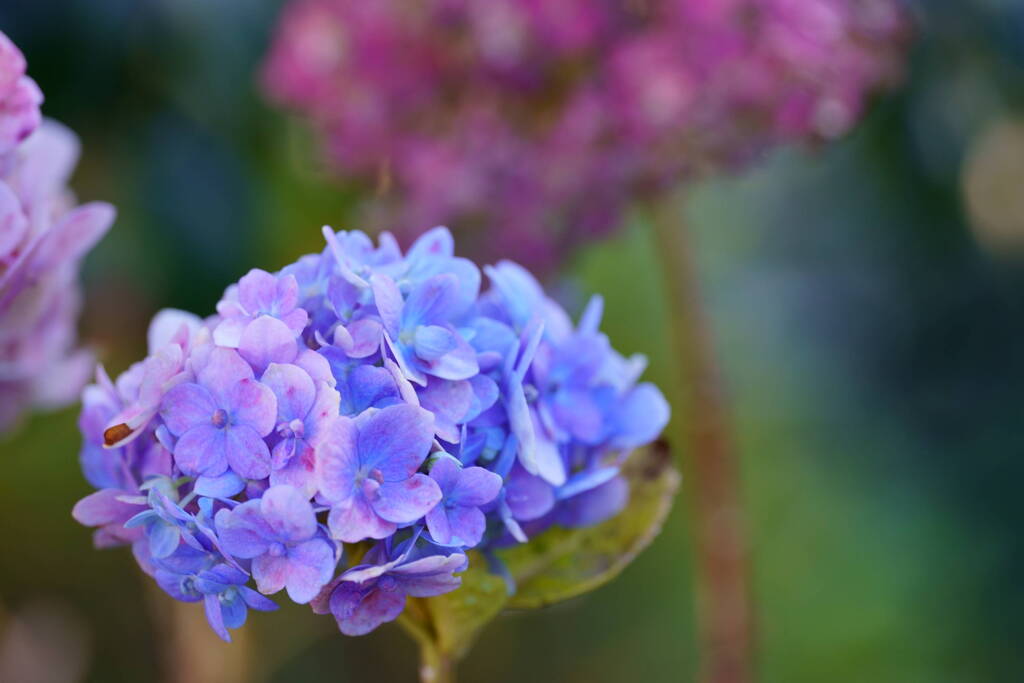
[(247, 452), (316, 366), (223, 370), (253, 404), (396, 440), (283, 452), (476, 486), (20, 115), (325, 408), (365, 335), (293, 388), (13, 222), (228, 332), (431, 244), (242, 531), (271, 573), (406, 501), (171, 326), (202, 450), (438, 526), (46, 160), (358, 615), (311, 565), (12, 64), (75, 233), (104, 507), (267, 340), (353, 520), (296, 320), (257, 290), (287, 292), (187, 406), (288, 513), (467, 525), (388, 300), (337, 460), (299, 473)]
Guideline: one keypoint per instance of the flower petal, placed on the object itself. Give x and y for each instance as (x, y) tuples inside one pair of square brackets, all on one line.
[(406, 501), (358, 612), (247, 452), (187, 406), (293, 388), (337, 460), (476, 486), (251, 403), (271, 573), (242, 531), (353, 520), (224, 368), (311, 566), (438, 526), (267, 340), (288, 514), (396, 440), (202, 450)]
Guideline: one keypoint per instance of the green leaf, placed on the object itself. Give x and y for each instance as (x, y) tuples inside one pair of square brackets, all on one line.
[(554, 566), (458, 616), (564, 563)]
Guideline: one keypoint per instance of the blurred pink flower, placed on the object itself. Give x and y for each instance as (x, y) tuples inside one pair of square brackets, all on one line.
[(43, 236), (542, 119)]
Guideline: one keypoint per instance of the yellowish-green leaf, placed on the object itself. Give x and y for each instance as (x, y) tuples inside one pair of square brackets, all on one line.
[(455, 618), (563, 563), (554, 566)]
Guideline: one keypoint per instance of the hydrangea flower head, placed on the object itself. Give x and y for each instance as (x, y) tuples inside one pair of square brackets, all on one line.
[(540, 120), (359, 398), (43, 237)]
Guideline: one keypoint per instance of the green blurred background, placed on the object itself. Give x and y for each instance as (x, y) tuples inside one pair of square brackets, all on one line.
[(866, 299)]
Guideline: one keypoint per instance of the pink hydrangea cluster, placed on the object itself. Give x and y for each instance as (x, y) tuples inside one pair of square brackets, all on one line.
[(43, 236), (541, 119)]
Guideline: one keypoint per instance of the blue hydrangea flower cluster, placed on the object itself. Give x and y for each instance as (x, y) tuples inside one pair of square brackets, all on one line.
[(347, 428)]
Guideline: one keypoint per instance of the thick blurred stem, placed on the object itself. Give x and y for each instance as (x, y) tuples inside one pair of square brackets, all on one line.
[(723, 601), (436, 666)]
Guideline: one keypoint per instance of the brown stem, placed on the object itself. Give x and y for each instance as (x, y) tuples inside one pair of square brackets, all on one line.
[(723, 600)]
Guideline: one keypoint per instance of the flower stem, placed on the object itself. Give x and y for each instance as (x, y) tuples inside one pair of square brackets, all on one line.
[(723, 600), (436, 666)]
